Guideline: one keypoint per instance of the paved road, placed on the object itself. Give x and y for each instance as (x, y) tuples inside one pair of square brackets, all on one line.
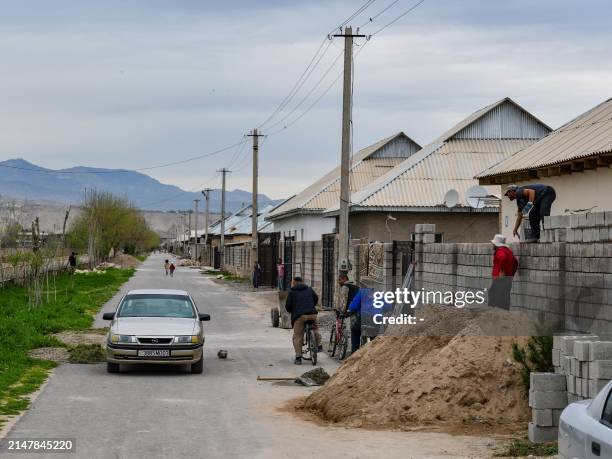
[(165, 412)]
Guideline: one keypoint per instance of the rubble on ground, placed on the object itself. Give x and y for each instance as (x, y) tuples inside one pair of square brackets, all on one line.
[(316, 377)]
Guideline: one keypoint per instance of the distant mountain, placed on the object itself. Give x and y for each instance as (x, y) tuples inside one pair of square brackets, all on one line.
[(22, 179)]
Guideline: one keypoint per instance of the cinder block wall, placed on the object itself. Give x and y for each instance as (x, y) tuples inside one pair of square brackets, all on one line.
[(559, 281)]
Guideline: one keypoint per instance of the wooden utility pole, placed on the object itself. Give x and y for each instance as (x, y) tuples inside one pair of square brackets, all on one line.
[(206, 194), (345, 190), (254, 240), (223, 171), (195, 224), (189, 229)]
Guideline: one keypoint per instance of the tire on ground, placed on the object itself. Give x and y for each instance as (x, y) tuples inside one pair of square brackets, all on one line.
[(198, 367), (112, 367)]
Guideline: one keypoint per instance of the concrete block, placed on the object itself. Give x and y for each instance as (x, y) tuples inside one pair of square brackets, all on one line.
[(542, 418), (556, 415), (582, 350), (608, 218), (599, 218), (428, 228), (574, 366), (547, 382), (586, 387), (600, 350), (560, 235), (600, 369), (556, 357), (539, 434), (429, 238), (595, 386), (566, 364), (584, 369), (582, 221), (572, 398), (578, 386), (571, 383), (575, 221), (552, 399)]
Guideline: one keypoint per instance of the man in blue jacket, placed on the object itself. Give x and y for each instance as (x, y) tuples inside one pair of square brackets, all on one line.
[(301, 303)]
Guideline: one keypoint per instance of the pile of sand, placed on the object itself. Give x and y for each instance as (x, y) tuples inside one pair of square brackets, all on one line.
[(409, 382), (124, 260)]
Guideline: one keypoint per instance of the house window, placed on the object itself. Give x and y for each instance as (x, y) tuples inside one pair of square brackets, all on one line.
[(439, 237)]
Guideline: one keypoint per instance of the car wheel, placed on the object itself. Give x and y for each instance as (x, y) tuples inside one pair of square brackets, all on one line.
[(112, 367), (196, 368)]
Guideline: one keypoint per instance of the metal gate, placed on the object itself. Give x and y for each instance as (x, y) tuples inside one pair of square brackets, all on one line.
[(288, 261), (329, 267), (267, 254), (216, 258)]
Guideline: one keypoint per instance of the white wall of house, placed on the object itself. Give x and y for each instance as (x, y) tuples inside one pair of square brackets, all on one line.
[(580, 190), (305, 227)]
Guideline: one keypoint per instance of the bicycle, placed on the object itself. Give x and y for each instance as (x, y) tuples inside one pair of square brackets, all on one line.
[(338, 338), (309, 348)]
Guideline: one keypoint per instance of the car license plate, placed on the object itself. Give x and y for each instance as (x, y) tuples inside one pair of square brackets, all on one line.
[(154, 353)]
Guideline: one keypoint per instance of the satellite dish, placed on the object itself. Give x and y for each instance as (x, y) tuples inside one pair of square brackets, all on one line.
[(475, 197), (451, 198)]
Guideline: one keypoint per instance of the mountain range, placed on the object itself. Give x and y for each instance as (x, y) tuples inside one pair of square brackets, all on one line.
[(24, 180)]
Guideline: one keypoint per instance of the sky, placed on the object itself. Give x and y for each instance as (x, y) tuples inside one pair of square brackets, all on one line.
[(140, 83)]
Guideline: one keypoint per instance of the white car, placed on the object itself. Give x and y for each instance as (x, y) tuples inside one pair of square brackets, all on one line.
[(155, 326), (585, 428)]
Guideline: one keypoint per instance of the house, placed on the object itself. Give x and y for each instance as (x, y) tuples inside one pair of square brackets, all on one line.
[(301, 217), (414, 191), (574, 159)]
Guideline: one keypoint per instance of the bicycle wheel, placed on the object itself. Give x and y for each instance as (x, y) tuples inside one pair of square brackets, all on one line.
[(331, 347), (312, 346), (343, 343)]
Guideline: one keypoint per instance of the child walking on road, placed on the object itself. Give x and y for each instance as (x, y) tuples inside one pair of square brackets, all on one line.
[(172, 268), (167, 266)]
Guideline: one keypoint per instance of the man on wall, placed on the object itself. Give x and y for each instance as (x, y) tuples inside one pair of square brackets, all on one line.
[(534, 202)]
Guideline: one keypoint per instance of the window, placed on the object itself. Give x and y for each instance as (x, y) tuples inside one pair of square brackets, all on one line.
[(152, 305), (439, 237), (606, 417)]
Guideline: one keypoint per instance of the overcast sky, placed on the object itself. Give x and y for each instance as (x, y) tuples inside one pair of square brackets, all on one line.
[(131, 84)]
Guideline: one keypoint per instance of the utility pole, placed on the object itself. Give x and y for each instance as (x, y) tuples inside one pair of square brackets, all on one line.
[(223, 171), (195, 224), (254, 239), (189, 229), (206, 194), (345, 191)]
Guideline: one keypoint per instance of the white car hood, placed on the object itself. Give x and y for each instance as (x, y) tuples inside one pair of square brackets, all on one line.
[(158, 326)]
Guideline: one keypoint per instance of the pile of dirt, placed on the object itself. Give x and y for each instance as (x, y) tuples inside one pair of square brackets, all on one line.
[(436, 382), (124, 260)]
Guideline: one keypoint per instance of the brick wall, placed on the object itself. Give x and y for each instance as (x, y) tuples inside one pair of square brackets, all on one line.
[(568, 284)]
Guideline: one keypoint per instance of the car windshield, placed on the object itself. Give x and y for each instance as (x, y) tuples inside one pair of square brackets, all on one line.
[(179, 306)]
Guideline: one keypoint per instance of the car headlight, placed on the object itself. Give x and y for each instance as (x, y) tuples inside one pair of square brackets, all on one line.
[(126, 339), (187, 339)]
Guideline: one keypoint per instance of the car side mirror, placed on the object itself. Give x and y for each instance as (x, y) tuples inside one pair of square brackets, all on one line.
[(204, 317), (108, 316)]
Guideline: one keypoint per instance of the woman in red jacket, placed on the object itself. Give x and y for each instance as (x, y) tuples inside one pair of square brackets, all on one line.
[(505, 265)]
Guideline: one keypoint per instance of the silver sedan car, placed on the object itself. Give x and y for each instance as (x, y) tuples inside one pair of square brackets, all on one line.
[(155, 326)]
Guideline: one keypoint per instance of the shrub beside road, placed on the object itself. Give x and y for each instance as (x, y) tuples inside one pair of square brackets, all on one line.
[(72, 303)]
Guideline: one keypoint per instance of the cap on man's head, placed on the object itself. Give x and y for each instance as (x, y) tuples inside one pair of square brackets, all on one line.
[(297, 279), (510, 188)]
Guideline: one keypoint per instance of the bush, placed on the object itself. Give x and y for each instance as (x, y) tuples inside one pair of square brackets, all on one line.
[(535, 357)]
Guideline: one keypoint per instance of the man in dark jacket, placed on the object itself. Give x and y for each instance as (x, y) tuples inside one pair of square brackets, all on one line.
[(301, 304)]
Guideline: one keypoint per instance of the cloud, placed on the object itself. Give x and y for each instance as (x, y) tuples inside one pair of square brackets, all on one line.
[(133, 84)]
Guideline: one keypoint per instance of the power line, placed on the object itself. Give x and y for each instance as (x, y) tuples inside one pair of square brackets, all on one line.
[(354, 15), (310, 107), (373, 18), (314, 88), (413, 7)]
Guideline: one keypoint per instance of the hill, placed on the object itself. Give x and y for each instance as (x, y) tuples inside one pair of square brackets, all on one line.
[(24, 180)]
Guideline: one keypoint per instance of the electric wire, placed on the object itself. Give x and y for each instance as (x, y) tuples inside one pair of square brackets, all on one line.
[(373, 18), (390, 23)]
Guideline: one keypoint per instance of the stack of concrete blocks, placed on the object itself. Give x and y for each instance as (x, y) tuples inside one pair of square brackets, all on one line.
[(547, 398), (587, 227), (586, 362)]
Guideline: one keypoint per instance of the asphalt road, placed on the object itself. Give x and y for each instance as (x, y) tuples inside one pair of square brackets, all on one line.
[(165, 412)]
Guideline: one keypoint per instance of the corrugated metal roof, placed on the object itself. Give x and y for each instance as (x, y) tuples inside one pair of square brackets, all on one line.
[(449, 162), (367, 165), (589, 134)]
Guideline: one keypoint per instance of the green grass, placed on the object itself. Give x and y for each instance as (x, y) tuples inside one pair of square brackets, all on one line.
[(142, 257), (523, 448), (71, 306)]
